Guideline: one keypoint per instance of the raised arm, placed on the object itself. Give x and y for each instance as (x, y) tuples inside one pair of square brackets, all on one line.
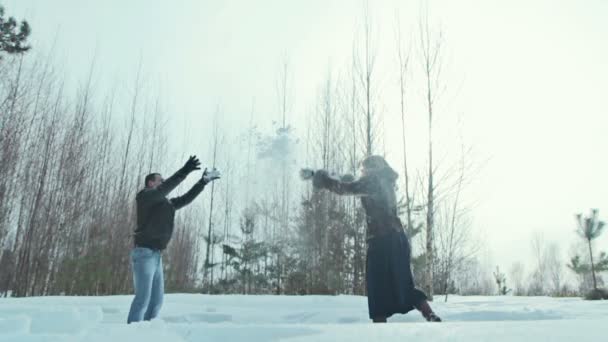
[(188, 197), (322, 179), (182, 201), (172, 182)]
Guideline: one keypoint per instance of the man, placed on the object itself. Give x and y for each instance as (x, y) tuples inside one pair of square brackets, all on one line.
[(155, 218)]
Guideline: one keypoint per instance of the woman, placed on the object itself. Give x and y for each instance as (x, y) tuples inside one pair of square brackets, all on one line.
[(390, 284)]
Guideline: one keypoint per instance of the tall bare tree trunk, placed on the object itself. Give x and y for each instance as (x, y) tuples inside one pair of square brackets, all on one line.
[(592, 264), (369, 67), (403, 67), (430, 59), (208, 251)]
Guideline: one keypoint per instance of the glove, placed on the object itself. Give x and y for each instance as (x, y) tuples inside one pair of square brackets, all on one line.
[(192, 164), (319, 179), (307, 174), (210, 176)]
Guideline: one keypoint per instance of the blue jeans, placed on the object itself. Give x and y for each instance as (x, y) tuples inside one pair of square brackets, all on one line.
[(148, 282)]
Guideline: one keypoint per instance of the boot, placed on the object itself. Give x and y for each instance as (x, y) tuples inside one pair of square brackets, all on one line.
[(427, 312), (379, 320)]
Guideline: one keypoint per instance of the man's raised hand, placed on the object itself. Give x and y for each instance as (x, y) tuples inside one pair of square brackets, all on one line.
[(209, 176), (192, 164)]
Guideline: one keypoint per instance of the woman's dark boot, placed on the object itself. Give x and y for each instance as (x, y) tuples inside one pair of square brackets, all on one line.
[(427, 312), (379, 319)]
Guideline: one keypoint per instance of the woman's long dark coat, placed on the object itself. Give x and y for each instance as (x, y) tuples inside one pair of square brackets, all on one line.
[(390, 283)]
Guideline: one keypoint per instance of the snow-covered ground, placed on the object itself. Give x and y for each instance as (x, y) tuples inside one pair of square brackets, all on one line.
[(192, 317)]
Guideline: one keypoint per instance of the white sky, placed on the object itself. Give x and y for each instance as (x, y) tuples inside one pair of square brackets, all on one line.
[(529, 78)]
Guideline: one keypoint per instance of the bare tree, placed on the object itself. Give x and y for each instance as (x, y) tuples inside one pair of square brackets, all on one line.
[(283, 91), (474, 278), (403, 59), (365, 66), (453, 229), (516, 274), (353, 157), (554, 265), (430, 46), (537, 281), (208, 284)]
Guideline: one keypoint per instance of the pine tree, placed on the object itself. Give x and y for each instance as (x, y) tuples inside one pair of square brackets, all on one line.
[(13, 34), (590, 228), (245, 257), (584, 269), (501, 282)]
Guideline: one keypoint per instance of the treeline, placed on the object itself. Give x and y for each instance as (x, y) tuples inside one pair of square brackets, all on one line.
[(72, 162)]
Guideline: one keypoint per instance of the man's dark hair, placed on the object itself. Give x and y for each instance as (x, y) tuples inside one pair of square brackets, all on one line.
[(150, 178)]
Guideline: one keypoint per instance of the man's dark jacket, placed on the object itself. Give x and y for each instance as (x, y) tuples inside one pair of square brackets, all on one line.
[(156, 213)]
